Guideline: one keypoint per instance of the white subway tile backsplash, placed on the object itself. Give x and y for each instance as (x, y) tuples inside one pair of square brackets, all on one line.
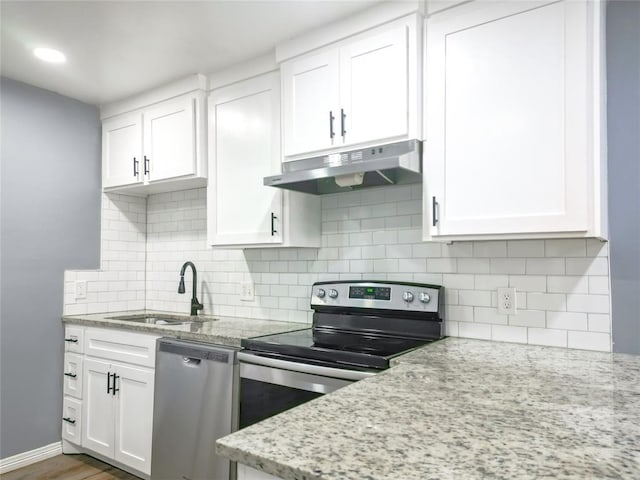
[(514, 266), (411, 265), (458, 249), (490, 249), (588, 303), (565, 248), (589, 341), (491, 282), (547, 337), (525, 248), (588, 266), (528, 283), (508, 333), (545, 266), (489, 315), (477, 298), (567, 284), (599, 322), (458, 281), (599, 285), (442, 265), (562, 285), (474, 265), (528, 318), (459, 313), (567, 320), (474, 330), (546, 301)]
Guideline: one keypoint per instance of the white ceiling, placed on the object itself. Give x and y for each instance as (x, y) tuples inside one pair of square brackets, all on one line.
[(116, 49)]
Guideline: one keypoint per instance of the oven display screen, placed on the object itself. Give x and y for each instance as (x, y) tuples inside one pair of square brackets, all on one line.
[(370, 293)]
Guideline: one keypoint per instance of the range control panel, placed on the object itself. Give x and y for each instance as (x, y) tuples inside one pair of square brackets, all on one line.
[(368, 294)]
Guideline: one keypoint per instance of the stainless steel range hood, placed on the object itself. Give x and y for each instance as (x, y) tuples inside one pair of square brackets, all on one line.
[(393, 163)]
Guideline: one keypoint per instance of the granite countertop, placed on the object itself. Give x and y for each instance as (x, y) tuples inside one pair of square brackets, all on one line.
[(462, 409), (228, 331)]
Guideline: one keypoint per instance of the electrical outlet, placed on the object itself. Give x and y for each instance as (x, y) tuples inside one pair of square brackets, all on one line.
[(247, 293), (507, 301), (81, 289)]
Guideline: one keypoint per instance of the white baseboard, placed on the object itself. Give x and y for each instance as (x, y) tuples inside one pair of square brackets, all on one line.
[(27, 458)]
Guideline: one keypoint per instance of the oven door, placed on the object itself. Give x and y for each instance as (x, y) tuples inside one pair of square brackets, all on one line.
[(269, 386)]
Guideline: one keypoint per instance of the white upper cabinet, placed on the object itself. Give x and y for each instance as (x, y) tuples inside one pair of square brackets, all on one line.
[(374, 88), (513, 121), (159, 144), (244, 147), (169, 139), (311, 102), (360, 91), (122, 150)]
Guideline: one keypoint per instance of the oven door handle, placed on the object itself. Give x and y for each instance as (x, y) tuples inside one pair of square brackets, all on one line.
[(354, 375)]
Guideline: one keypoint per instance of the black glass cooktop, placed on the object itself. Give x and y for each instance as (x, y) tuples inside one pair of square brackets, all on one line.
[(333, 348)]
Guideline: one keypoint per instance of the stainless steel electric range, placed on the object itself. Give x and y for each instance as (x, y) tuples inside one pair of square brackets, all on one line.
[(358, 327)]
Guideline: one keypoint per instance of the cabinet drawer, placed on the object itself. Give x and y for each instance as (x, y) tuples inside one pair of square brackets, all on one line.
[(71, 419), (73, 339), (73, 375), (135, 348)]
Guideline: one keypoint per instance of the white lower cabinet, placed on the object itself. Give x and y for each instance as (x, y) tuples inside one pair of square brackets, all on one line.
[(71, 419), (248, 473), (118, 413), (108, 402)]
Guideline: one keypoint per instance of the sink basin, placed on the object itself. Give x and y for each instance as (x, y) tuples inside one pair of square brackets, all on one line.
[(159, 319)]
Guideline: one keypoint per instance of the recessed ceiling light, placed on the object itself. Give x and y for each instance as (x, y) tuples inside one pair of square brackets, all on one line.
[(49, 55)]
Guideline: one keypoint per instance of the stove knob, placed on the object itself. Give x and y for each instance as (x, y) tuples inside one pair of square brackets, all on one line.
[(333, 293), (424, 297), (321, 293), (407, 297)]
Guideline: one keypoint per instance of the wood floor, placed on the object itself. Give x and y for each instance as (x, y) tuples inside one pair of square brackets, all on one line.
[(69, 467)]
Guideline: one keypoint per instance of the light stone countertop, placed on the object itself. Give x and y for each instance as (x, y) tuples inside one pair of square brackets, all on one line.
[(228, 331), (462, 409)]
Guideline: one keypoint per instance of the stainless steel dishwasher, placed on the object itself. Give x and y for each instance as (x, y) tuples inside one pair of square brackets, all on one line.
[(194, 398)]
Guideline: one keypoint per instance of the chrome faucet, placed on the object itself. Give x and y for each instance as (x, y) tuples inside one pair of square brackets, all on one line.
[(195, 304)]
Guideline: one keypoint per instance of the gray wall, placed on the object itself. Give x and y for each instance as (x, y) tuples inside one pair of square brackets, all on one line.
[(50, 221), (623, 112)]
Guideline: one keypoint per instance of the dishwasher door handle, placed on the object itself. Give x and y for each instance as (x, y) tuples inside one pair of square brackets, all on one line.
[(191, 361)]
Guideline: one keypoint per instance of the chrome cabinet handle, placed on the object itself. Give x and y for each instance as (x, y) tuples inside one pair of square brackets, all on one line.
[(115, 389), (69, 420), (273, 224), (72, 375), (71, 340), (147, 163), (109, 383), (343, 116), (135, 167)]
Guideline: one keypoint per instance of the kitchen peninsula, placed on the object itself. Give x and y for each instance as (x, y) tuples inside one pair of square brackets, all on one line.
[(462, 409)]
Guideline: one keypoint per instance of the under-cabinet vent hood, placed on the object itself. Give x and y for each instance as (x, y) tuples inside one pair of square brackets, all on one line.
[(393, 163)]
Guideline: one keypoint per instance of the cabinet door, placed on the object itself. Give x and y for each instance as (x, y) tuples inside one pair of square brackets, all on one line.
[(134, 416), (71, 420), (244, 123), (169, 139), (508, 118), (97, 421), (122, 150), (73, 374), (374, 87), (311, 113)]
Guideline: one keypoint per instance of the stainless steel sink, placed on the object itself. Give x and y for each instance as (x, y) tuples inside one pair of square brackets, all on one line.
[(160, 319)]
